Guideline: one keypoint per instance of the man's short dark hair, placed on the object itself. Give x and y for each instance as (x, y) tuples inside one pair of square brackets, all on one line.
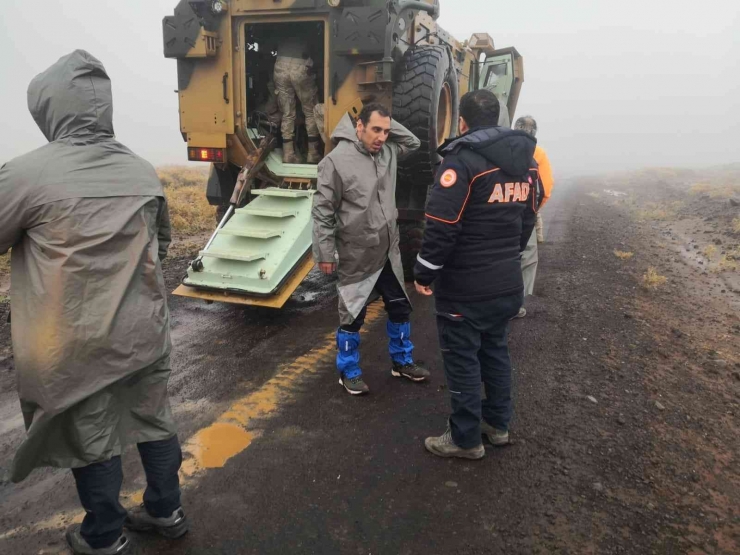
[(369, 109), (480, 109)]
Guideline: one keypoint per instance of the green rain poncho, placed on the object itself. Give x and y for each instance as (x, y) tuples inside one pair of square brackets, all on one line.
[(88, 225), (355, 213)]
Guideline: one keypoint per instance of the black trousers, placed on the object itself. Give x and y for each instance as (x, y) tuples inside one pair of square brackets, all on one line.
[(397, 305), (474, 342), (99, 485)]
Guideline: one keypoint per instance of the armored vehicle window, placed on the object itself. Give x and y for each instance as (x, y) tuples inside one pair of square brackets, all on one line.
[(495, 72)]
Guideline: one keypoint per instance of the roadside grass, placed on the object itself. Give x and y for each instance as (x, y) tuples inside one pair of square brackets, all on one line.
[(709, 252), (623, 255), (726, 264), (183, 176), (652, 280), (185, 248), (185, 189), (724, 190), (190, 213), (736, 225), (652, 211), (5, 264)]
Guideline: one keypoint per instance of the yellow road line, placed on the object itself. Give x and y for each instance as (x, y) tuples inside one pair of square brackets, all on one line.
[(230, 434)]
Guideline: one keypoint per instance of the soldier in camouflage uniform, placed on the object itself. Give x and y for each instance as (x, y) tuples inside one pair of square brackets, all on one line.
[(269, 107), (294, 77)]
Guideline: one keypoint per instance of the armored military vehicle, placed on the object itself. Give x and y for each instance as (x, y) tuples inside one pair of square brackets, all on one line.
[(389, 51)]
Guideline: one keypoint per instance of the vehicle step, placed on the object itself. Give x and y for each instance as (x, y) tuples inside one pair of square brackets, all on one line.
[(253, 211), (285, 193), (239, 255), (251, 233)]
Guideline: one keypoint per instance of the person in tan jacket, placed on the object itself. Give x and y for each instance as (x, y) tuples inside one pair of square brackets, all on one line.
[(530, 258)]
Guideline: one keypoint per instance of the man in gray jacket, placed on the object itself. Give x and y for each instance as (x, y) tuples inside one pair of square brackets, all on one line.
[(87, 221), (355, 217)]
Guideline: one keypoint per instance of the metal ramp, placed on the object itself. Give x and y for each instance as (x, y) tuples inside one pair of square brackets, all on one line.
[(261, 251), (276, 166)]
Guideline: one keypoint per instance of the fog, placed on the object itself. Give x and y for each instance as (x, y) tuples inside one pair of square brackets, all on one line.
[(613, 85)]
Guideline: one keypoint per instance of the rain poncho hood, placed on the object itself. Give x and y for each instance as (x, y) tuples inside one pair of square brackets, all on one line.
[(72, 99), (355, 212), (87, 223)]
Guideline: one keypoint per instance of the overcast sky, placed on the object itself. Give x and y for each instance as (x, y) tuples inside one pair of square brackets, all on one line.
[(613, 85)]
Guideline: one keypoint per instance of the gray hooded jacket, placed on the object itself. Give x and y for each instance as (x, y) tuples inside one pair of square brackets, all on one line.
[(355, 212), (87, 223)]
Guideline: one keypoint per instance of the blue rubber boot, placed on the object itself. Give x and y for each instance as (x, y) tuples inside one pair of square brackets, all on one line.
[(402, 350), (348, 362)]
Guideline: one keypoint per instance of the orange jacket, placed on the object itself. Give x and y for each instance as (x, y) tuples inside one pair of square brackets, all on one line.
[(546, 178)]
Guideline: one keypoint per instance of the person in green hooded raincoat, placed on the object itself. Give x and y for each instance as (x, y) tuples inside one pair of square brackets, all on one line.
[(88, 225), (355, 234)]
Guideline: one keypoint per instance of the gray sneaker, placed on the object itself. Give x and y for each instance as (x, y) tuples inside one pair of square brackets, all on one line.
[(497, 437), (173, 526), (412, 371), (81, 547), (354, 386), (522, 313), (443, 446)]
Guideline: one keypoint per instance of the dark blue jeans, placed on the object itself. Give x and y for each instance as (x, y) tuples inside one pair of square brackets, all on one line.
[(474, 342), (99, 486)]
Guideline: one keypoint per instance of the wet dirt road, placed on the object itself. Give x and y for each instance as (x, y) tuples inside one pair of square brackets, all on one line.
[(280, 460)]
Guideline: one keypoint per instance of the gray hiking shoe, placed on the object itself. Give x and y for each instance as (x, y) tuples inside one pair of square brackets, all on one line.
[(443, 446), (412, 371), (81, 547), (354, 386), (522, 313), (494, 435), (173, 526)]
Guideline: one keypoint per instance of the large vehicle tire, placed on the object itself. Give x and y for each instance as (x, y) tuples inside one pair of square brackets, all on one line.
[(425, 100)]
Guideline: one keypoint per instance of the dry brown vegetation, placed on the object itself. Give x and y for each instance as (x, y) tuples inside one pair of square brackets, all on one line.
[(4, 271), (623, 255), (185, 188), (190, 213), (652, 279), (659, 212), (726, 264), (715, 190), (709, 251)]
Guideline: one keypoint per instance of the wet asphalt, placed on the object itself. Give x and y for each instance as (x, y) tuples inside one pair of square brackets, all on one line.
[(330, 473)]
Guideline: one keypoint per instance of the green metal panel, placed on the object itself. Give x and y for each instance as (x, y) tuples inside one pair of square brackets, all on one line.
[(285, 193), (275, 163), (260, 245), (253, 233), (266, 213), (241, 255)]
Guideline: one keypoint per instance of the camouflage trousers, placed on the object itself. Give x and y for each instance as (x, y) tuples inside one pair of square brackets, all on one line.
[(293, 78)]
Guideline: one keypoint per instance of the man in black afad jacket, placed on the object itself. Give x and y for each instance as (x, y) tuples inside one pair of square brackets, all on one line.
[(480, 216)]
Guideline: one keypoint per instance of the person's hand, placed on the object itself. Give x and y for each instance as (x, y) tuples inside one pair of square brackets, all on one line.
[(327, 268), (423, 289)]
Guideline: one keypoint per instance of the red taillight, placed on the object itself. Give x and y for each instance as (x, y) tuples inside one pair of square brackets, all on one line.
[(196, 154)]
